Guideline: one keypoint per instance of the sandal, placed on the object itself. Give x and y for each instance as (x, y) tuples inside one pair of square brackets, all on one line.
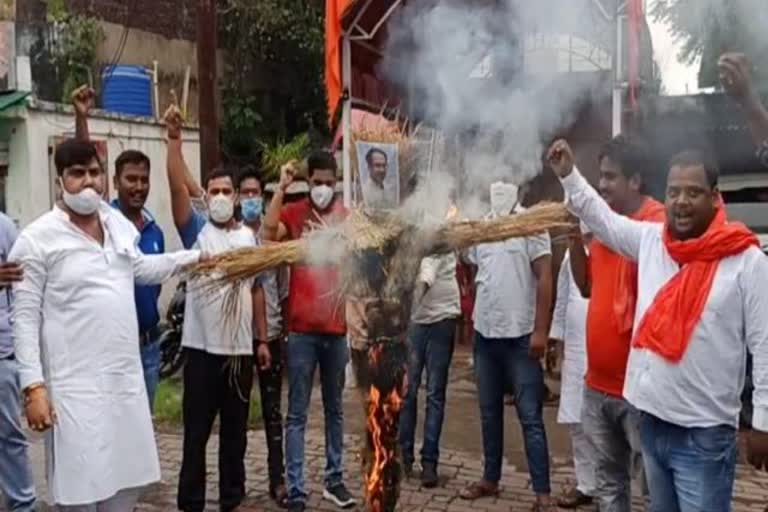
[(481, 489), (573, 498), (280, 495)]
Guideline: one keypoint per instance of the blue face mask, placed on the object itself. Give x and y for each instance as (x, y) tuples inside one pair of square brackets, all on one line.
[(251, 208)]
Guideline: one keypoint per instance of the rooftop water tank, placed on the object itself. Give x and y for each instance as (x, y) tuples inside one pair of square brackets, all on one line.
[(127, 90)]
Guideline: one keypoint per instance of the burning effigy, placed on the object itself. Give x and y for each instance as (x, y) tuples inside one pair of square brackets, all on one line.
[(379, 254)]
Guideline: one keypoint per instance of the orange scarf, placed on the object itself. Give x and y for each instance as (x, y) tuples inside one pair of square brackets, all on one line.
[(668, 324), (625, 288)]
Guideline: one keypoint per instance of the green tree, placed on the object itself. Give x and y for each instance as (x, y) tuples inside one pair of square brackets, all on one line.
[(707, 28), (273, 82)]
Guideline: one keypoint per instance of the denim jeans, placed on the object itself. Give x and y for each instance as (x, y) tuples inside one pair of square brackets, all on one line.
[(431, 347), (612, 424), (305, 353), (502, 364), (150, 363), (15, 475), (688, 469)]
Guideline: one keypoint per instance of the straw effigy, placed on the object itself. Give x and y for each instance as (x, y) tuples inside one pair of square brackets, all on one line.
[(361, 232)]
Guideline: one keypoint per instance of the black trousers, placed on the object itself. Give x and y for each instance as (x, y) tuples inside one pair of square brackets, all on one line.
[(271, 386), (214, 384)]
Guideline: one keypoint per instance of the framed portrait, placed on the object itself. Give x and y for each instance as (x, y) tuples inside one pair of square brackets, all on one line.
[(379, 175)]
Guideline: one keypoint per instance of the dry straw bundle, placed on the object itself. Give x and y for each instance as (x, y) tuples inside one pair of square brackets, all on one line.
[(237, 266), (540, 218), (360, 232)]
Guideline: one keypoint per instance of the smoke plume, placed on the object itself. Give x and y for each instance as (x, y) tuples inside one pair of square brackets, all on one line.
[(503, 114)]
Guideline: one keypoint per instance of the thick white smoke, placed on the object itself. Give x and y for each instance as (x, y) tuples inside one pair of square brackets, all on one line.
[(435, 48)]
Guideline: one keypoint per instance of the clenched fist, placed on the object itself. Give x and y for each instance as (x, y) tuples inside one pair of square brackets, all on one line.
[(83, 100), (560, 158), (173, 119)]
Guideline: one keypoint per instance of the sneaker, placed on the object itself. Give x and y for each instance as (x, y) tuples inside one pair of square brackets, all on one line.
[(296, 506), (340, 496), (429, 478)]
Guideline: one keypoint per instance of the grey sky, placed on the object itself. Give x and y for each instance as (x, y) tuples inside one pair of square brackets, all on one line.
[(677, 77)]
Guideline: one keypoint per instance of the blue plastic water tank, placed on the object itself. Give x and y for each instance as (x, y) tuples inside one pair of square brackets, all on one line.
[(127, 90)]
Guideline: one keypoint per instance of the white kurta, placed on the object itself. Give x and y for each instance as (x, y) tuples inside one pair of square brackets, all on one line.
[(75, 329), (569, 323)]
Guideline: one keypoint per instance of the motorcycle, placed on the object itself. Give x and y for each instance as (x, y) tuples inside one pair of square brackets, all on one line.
[(172, 355)]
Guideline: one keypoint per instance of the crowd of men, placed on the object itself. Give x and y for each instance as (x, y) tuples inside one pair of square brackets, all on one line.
[(657, 306)]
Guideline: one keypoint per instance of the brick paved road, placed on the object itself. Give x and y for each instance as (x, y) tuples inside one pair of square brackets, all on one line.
[(460, 462), (457, 470)]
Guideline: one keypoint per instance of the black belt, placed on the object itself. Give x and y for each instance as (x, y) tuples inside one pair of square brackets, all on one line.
[(11, 357)]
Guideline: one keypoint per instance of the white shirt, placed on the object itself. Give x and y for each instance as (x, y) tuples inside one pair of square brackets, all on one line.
[(704, 388), (569, 323), (505, 299), (75, 329), (441, 301), (209, 324)]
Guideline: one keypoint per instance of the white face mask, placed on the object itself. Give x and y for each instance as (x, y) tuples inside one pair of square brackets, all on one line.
[(321, 195), (221, 208), (85, 202), (503, 198)]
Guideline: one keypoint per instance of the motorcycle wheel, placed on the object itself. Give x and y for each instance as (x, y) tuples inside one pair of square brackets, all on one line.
[(172, 355)]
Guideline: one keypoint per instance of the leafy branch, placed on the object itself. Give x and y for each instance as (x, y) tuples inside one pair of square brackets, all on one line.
[(73, 52)]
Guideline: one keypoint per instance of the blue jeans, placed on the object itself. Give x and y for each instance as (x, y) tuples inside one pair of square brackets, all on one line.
[(688, 469), (15, 475), (305, 353), (502, 364), (431, 346), (150, 363)]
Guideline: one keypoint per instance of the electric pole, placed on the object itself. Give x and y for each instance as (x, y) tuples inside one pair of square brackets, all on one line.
[(207, 81)]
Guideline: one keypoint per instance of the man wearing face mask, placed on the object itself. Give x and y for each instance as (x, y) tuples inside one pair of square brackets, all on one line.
[(275, 283), (512, 316), (75, 331), (316, 328), (219, 348), (132, 185)]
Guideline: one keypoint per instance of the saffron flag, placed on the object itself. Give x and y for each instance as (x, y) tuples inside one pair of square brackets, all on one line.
[(334, 12)]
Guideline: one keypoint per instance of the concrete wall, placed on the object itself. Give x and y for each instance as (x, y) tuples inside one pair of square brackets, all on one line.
[(28, 186), (173, 56)]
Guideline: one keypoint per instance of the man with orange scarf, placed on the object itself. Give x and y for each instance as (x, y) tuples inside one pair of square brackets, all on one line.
[(609, 280), (702, 302)]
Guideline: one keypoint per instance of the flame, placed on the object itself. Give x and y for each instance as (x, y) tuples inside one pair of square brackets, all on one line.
[(453, 212), (383, 412)]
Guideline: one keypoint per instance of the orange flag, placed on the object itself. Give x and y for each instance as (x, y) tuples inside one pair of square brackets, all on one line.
[(334, 12)]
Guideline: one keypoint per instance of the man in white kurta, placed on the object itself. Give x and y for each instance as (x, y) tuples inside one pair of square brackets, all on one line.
[(569, 326), (75, 329)]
